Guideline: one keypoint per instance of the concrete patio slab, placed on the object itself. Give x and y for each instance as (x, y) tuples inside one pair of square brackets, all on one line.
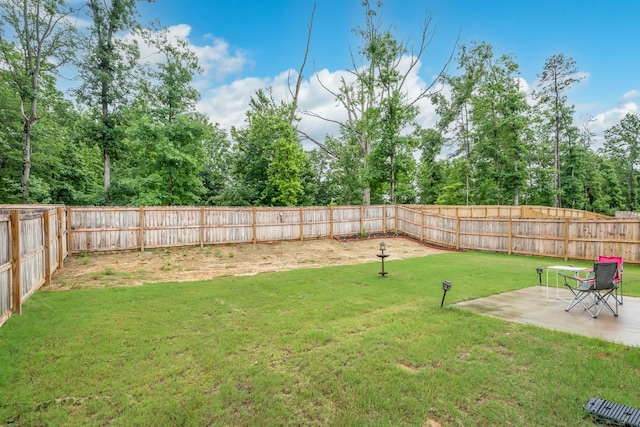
[(530, 306)]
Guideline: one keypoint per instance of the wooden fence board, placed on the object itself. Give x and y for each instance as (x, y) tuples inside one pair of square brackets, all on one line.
[(31, 254), (31, 248), (5, 267)]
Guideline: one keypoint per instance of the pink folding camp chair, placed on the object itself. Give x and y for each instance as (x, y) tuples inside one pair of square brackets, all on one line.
[(617, 280)]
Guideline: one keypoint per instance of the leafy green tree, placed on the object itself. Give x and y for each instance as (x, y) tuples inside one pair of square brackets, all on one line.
[(499, 114), (574, 168), (166, 90), (622, 142), (268, 160), (602, 186), (558, 76), (378, 105), (452, 191), (108, 73), (10, 145), (166, 164), (341, 177), (167, 141), (64, 169), (486, 116), (455, 111), (539, 185), (215, 168), (40, 41), (62, 166), (430, 172)]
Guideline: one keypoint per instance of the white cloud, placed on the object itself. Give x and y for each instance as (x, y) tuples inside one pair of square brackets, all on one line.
[(612, 117), (319, 109), (227, 104), (631, 94), (216, 58)]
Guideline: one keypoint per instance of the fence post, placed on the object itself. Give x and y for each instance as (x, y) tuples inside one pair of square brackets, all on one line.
[(60, 234), (331, 221), (362, 230), (255, 237), (16, 287), (422, 225), (68, 220), (47, 248), (566, 239), (457, 228), (384, 219), (301, 223), (141, 222), (202, 219), (510, 230), (396, 218)]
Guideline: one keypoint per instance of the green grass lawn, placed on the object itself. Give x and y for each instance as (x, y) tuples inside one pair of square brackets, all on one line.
[(329, 346)]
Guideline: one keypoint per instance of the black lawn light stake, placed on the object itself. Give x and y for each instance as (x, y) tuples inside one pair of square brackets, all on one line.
[(539, 271), (446, 285), (382, 256)]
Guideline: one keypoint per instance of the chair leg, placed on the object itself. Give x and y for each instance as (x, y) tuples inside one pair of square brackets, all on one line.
[(620, 300), (603, 298), (579, 298)]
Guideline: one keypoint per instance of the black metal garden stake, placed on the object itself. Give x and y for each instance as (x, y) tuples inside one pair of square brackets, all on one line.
[(446, 285)]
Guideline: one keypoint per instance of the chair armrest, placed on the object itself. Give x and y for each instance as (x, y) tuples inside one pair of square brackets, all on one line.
[(576, 278)]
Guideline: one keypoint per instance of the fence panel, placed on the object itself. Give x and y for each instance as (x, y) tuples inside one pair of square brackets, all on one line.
[(167, 227), (53, 242), (5, 267), (104, 229), (441, 231), (409, 221), (274, 224), (317, 222), (537, 237), (228, 225), (372, 219), (31, 253), (484, 234), (389, 217), (346, 220)]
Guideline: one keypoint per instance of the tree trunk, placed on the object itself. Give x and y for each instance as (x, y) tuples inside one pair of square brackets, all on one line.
[(393, 181), (366, 196), (556, 148), (516, 190), (26, 161), (107, 174), (632, 189)]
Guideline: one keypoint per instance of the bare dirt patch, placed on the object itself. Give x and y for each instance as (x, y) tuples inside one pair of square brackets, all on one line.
[(195, 263)]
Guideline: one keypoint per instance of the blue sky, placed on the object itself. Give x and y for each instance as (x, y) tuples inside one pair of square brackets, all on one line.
[(252, 44)]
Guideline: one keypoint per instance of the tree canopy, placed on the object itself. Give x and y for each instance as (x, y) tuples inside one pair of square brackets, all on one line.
[(130, 132)]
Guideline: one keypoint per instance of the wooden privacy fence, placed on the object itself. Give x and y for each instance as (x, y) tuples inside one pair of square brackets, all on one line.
[(34, 240), (500, 211), (527, 230), (32, 247), (93, 229), (567, 237)]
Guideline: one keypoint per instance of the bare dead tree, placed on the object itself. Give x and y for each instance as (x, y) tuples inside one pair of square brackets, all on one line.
[(296, 94), (358, 98)]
